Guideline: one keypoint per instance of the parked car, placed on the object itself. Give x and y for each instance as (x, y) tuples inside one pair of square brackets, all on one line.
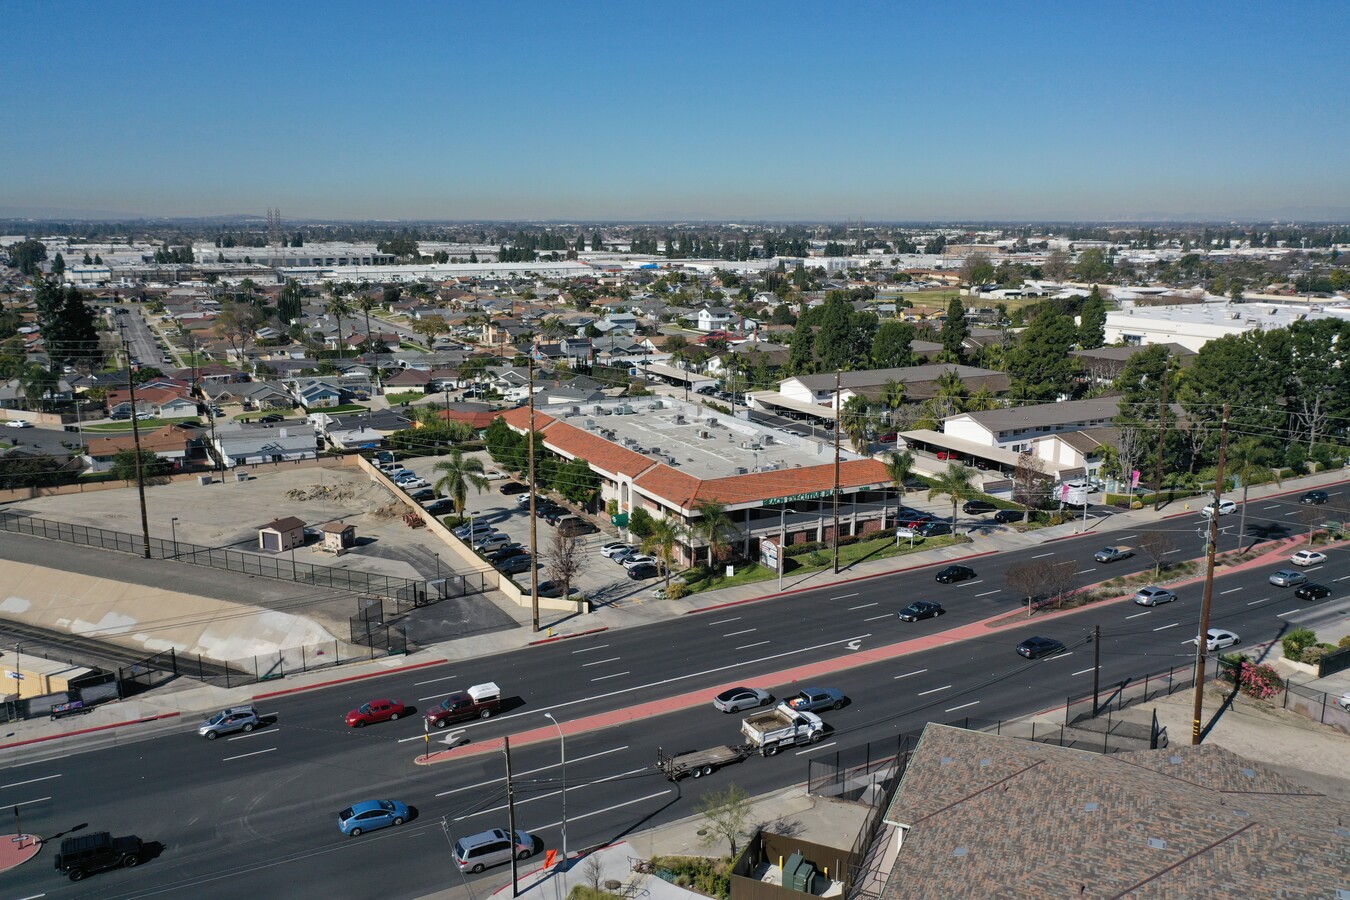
[(616, 548), (491, 848), (738, 698), (977, 507), (555, 588), (920, 609), (464, 532), (1312, 591), (492, 541), (1008, 516), (515, 565), (514, 487), (19, 423), (1218, 638), (1314, 497), (643, 570), (368, 815), (230, 720), (1226, 507), (442, 507), (953, 574), (548, 508), (421, 495), (1152, 596), (815, 698), (932, 529), (1113, 554), (914, 519), (556, 514), (948, 455), (503, 553), (272, 419), (1308, 558), (382, 710), (1036, 647), (636, 559), (412, 483), (1287, 578)]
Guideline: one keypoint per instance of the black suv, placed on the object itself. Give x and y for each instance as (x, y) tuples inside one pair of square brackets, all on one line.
[(974, 507), (96, 852), (1005, 516)]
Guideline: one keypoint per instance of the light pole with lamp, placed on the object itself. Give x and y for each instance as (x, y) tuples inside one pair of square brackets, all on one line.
[(782, 544), (562, 745), (173, 527)]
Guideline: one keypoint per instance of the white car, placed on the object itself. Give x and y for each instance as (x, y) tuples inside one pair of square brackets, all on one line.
[(1226, 507), (19, 423), (637, 559), (1308, 558), (1218, 638), (412, 484), (617, 548)]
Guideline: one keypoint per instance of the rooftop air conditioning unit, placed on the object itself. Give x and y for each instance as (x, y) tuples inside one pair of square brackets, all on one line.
[(767, 439), (590, 424), (704, 434), (657, 404), (679, 418), (598, 410), (742, 470), (576, 410), (710, 421)]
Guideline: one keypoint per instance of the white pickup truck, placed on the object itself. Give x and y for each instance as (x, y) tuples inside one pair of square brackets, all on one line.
[(780, 727)]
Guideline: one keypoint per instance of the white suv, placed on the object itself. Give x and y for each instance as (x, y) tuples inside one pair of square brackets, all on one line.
[(1225, 508)]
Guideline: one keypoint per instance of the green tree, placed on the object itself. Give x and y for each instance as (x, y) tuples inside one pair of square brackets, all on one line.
[(976, 269), (457, 474), (891, 348), (856, 425), (956, 481), (954, 332), (663, 537), (59, 265), (1040, 366), (801, 351), (37, 382), (27, 256), (726, 815), (70, 332), (152, 466), (900, 469), (338, 307), (1250, 461), (1092, 321), (714, 526), (1093, 265)]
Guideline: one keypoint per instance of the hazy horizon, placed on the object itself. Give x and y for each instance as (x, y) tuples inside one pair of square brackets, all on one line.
[(706, 112)]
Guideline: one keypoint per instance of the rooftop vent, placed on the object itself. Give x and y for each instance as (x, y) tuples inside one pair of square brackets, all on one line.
[(576, 411), (590, 424), (742, 470), (1090, 806), (1157, 843), (679, 419), (704, 434)]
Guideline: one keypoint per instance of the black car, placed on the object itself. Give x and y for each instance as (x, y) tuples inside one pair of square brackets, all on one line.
[(1314, 497), (1005, 516), (953, 574), (643, 570), (272, 419), (1036, 647), (503, 553), (932, 529), (422, 494), (555, 589), (1312, 591), (514, 565), (547, 508), (920, 609), (513, 487), (704, 389), (441, 507), (975, 507), (556, 514)]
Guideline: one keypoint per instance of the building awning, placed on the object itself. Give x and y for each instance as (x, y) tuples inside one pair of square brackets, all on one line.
[(940, 441), (773, 398), (672, 372)]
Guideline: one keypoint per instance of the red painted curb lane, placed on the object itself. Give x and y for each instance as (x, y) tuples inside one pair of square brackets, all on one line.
[(856, 578), (564, 637), (96, 728), (361, 677)]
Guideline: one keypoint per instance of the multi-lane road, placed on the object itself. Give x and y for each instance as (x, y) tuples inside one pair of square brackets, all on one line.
[(256, 813)]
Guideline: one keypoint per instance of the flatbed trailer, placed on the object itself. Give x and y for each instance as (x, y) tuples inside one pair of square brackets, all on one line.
[(700, 762)]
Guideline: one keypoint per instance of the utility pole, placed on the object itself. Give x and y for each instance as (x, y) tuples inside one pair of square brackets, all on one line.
[(838, 427), (136, 441), (1211, 544), (1096, 665), (534, 520), (511, 817), (1162, 434)]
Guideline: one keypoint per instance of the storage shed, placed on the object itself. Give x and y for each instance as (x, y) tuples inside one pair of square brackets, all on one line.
[(338, 537), (281, 535)]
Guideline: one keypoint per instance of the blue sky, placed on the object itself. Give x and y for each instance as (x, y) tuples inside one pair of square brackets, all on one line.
[(689, 110)]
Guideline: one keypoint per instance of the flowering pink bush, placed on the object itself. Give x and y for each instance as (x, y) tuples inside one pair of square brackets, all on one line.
[(1261, 682)]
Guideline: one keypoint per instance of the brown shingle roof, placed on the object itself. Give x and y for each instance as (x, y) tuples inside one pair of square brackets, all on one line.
[(288, 523)]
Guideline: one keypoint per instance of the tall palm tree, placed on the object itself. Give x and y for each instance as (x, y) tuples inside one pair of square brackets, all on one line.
[(951, 393), (460, 472), (338, 307), (855, 423), (900, 468), (713, 525), (665, 536), (1248, 459), (955, 482), (982, 400)]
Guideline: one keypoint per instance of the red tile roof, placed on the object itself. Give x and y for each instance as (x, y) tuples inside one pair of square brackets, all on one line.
[(597, 451), (473, 419), (688, 492)]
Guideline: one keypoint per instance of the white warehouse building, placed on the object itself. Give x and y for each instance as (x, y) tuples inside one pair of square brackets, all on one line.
[(1194, 325)]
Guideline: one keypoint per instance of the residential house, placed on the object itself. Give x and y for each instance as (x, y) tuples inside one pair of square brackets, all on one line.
[(714, 318), (162, 402), (367, 430), (476, 415), (1105, 364), (174, 443), (318, 393), (248, 394), (1014, 429), (12, 395), (237, 444), (408, 380)]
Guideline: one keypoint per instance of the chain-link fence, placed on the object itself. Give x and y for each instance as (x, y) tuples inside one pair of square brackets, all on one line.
[(1115, 697), (1316, 705)]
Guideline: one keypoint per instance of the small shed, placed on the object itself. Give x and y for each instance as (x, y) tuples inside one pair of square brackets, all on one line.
[(281, 535), (338, 537)]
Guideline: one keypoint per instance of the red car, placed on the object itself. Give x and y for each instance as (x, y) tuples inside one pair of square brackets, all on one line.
[(948, 454), (375, 711)]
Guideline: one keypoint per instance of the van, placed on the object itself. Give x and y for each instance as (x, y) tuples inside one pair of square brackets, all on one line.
[(571, 526), (491, 848)]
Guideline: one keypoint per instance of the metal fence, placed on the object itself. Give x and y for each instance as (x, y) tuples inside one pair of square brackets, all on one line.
[(1336, 661), (856, 773), (284, 568), (1116, 697), (1316, 705)]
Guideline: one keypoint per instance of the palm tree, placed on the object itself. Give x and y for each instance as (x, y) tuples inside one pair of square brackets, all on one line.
[(712, 525), (900, 467), (951, 393), (36, 381), (460, 472), (955, 482), (1248, 460), (855, 424), (665, 536), (982, 400), (337, 308)]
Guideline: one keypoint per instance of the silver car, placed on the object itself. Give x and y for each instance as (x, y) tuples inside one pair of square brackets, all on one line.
[(739, 698), (1287, 578), (236, 718), (1152, 596)]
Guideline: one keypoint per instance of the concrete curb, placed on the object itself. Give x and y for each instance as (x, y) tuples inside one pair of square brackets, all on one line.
[(96, 728), (564, 637)]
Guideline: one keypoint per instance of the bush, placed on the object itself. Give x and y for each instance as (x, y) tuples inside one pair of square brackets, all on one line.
[(1296, 641), (1313, 655), (1344, 642), (677, 590), (803, 549), (817, 558), (1261, 682)]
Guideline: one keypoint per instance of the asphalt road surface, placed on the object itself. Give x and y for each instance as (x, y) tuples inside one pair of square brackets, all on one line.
[(256, 814)]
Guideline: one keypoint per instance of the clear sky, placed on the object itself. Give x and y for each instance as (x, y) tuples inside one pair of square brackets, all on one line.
[(678, 110)]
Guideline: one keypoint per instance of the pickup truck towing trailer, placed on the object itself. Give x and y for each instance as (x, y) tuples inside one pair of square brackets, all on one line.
[(700, 762), (781, 727)]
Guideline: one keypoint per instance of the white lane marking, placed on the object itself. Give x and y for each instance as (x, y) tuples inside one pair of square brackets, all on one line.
[(434, 680), (1129, 537), (570, 789), (815, 748), (1343, 577), (601, 662), (934, 690), (878, 618), (1262, 600), (245, 755), (1165, 627), (1170, 552), (1043, 555), (615, 675), (1062, 655), (474, 787), (1085, 571), (29, 781), (27, 802), (1229, 591), (975, 582), (864, 606), (240, 737), (742, 631), (1085, 671), (725, 621), (1137, 615), (907, 674), (1289, 613), (845, 596), (1292, 513), (35, 896), (430, 697), (415, 737), (589, 649), (962, 706), (589, 814), (988, 593), (755, 644), (1272, 506)]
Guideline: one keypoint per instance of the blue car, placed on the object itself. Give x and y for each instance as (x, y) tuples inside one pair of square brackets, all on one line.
[(369, 815)]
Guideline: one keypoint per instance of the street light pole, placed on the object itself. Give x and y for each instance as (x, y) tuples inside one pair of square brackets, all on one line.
[(173, 526), (562, 745), (782, 545)]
